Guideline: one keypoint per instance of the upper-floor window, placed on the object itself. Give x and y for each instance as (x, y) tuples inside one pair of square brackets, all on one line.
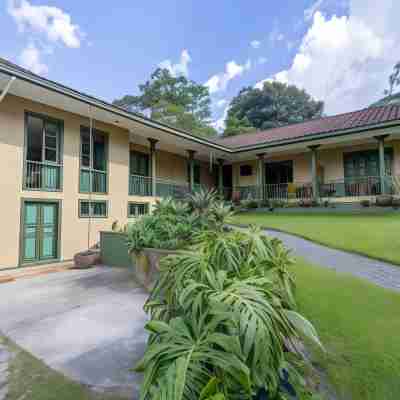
[(139, 170), (93, 161), (43, 153)]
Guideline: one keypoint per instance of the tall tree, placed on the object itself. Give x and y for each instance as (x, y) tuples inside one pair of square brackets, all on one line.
[(174, 100), (274, 105)]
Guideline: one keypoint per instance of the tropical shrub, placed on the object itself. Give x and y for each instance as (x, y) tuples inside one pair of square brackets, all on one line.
[(175, 224), (222, 320)]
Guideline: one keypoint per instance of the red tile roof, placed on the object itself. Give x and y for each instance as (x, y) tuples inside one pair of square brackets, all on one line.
[(356, 119)]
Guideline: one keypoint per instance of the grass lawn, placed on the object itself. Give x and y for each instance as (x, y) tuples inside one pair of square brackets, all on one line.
[(375, 235), (359, 325), (30, 379)]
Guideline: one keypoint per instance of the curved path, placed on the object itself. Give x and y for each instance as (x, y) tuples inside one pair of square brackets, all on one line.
[(379, 272)]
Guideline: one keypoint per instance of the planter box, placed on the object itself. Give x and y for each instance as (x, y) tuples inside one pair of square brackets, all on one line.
[(86, 259), (147, 263)]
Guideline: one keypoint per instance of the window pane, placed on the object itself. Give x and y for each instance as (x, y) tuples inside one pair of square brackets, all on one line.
[(51, 141), (84, 205), (137, 209), (99, 209), (85, 148), (99, 152), (139, 164), (51, 155), (34, 138)]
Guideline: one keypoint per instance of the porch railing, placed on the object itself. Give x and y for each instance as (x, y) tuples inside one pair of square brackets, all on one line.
[(140, 185), (143, 186), (98, 180), (348, 187), (42, 176), (167, 188)]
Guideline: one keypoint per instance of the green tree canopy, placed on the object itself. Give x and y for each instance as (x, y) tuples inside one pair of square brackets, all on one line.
[(176, 101), (274, 105)]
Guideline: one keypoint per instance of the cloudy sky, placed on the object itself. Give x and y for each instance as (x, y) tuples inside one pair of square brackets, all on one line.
[(340, 51)]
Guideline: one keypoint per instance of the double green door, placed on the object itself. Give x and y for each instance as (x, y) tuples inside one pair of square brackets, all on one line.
[(40, 231)]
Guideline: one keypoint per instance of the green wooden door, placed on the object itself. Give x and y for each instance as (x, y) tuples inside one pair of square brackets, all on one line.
[(40, 231)]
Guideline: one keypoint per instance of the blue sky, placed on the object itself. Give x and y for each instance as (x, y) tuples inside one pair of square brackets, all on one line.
[(341, 51)]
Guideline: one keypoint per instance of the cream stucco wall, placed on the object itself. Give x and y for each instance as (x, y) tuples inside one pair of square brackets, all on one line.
[(74, 230)]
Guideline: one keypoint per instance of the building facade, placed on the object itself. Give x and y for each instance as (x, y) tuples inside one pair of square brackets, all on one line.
[(71, 165)]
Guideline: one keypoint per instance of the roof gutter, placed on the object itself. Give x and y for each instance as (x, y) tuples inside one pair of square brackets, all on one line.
[(7, 88), (61, 89), (92, 101)]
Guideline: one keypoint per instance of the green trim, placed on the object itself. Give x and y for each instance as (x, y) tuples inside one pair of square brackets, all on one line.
[(90, 169), (60, 164), (138, 203), (24, 200), (80, 201)]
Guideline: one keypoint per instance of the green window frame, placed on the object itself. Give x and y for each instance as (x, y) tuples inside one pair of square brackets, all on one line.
[(136, 209), (93, 176), (365, 163), (93, 208), (139, 163), (43, 153)]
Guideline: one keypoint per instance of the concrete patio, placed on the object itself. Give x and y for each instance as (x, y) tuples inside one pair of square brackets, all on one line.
[(86, 324)]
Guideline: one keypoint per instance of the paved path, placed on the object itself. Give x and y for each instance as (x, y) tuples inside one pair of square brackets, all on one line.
[(5, 357), (86, 324), (378, 272)]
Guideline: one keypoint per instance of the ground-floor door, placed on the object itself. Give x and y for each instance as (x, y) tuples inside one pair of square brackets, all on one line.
[(40, 231)]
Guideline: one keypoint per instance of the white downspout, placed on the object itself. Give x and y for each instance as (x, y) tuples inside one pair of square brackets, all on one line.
[(7, 88)]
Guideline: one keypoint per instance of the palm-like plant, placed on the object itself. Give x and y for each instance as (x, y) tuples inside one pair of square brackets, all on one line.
[(202, 200), (223, 312)]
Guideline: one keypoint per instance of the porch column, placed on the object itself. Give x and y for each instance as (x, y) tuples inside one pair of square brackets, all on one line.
[(261, 175), (314, 173), (382, 168), (153, 166), (191, 154), (221, 176)]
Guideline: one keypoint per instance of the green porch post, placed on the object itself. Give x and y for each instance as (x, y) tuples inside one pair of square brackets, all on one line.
[(221, 176), (314, 173), (191, 154), (261, 176), (153, 166), (382, 168)]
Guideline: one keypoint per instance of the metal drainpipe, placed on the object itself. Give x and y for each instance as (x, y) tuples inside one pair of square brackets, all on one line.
[(90, 175)]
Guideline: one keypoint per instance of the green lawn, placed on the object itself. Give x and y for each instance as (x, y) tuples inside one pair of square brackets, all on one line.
[(359, 325), (375, 235), (31, 379)]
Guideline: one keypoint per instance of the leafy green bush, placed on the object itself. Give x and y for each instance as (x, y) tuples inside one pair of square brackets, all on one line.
[(176, 224), (250, 203), (222, 319)]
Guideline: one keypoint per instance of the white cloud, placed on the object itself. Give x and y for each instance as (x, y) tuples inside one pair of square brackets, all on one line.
[(262, 60), (220, 81), (219, 124), (30, 59), (310, 11), (346, 61), (51, 21), (221, 103), (255, 44), (180, 68)]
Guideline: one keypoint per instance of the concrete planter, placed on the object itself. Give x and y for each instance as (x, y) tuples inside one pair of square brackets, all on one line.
[(86, 259), (146, 264)]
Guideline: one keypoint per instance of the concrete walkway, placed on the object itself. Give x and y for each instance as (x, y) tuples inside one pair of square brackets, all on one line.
[(86, 324), (378, 272)]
